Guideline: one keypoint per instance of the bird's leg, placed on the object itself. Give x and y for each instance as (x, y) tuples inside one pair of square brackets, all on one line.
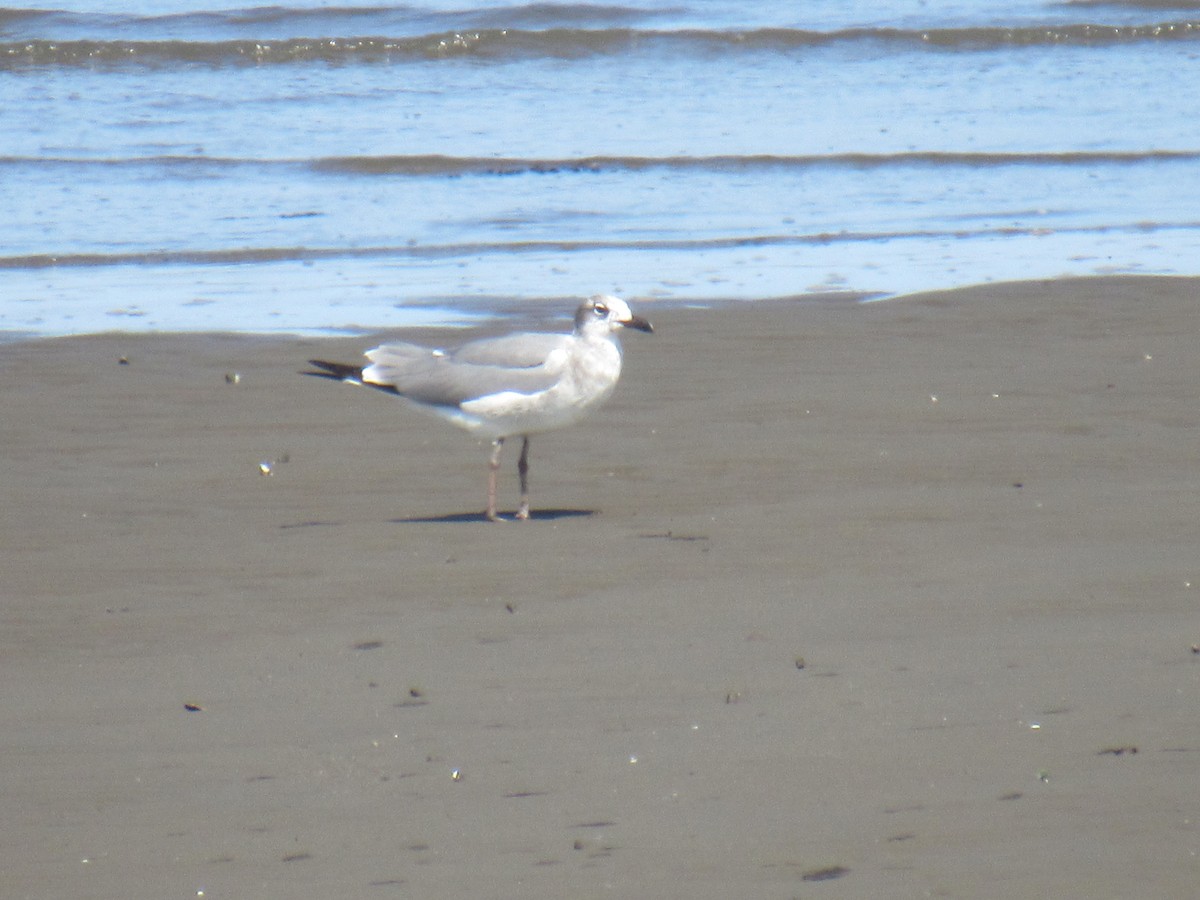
[(523, 471), (493, 467)]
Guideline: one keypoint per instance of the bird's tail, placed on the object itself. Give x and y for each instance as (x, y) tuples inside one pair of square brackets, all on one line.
[(336, 370)]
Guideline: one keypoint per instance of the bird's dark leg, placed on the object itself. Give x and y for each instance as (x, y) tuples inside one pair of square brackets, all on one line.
[(523, 471), (493, 467)]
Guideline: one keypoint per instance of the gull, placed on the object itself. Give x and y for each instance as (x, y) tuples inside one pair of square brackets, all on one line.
[(519, 384)]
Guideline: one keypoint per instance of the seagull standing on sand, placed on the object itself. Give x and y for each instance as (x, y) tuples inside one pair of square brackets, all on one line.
[(520, 384)]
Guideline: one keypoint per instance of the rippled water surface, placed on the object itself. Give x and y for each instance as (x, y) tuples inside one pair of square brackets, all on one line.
[(316, 167)]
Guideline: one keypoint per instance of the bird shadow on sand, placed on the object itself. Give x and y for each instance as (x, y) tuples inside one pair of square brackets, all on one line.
[(537, 515)]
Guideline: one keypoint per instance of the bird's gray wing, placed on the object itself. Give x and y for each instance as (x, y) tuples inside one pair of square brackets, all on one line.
[(450, 378), (520, 351)]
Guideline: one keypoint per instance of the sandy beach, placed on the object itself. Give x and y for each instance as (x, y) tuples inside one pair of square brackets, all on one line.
[(831, 600)]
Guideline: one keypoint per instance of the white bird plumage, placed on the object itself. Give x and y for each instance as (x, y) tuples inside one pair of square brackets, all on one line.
[(519, 384)]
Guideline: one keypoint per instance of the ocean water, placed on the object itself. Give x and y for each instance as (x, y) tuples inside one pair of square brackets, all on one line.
[(315, 167)]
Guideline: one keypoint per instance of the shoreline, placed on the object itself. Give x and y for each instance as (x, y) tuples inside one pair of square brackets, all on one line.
[(103, 311), (898, 597)]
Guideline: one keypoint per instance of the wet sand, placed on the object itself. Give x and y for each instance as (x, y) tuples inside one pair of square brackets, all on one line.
[(831, 600)]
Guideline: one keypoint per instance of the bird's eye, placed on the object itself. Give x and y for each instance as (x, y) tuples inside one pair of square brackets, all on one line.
[(601, 310)]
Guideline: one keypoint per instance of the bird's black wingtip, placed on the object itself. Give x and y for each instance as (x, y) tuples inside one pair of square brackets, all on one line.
[(335, 370)]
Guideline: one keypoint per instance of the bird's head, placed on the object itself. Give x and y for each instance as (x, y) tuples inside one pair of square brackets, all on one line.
[(604, 314)]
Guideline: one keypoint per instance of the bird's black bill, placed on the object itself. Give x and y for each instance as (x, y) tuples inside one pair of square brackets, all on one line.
[(640, 324)]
